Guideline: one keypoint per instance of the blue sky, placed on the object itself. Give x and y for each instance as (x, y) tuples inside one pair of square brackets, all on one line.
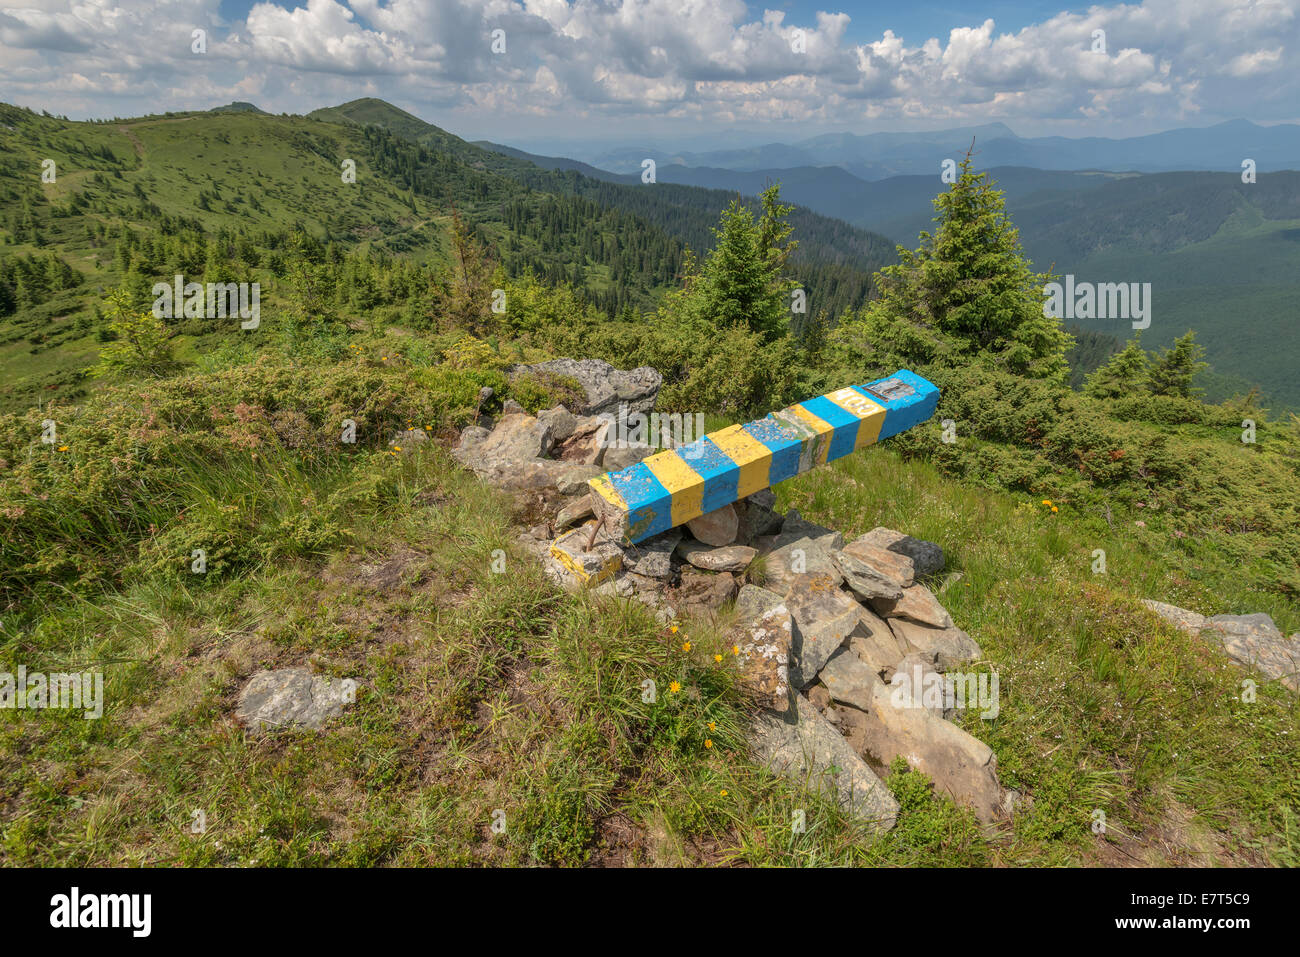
[(682, 70)]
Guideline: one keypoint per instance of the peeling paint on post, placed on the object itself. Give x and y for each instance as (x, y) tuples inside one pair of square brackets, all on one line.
[(674, 486)]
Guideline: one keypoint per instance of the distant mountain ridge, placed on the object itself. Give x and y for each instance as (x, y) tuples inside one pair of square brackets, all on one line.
[(875, 156)]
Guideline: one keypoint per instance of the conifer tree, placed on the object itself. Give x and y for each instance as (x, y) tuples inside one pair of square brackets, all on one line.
[(1123, 374), (1174, 369), (967, 291)]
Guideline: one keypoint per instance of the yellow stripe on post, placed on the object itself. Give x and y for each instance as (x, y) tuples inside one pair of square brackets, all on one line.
[(823, 429), (605, 489), (753, 457), (683, 483), (871, 415)]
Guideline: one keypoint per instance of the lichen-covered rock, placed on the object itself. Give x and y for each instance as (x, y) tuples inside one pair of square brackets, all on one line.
[(605, 388), (805, 748), (766, 647), (824, 616), (292, 697), (1254, 642)]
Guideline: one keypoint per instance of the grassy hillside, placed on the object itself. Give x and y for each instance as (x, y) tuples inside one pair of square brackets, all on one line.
[(484, 690)]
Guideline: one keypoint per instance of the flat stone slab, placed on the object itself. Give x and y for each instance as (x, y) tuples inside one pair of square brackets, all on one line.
[(292, 697), (947, 648), (927, 557), (959, 764), (729, 558), (864, 580), (1188, 621), (893, 565), (805, 748), (916, 603)]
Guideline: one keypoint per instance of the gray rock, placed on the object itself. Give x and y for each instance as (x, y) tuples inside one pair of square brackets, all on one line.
[(766, 649), (572, 480), (511, 407), (1254, 642), (824, 617), (471, 436), (893, 565), (653, 558), (718, 527), (863, 580), (516, 441), (795, 527), (585, 442), (875, 643), (1188, 621), (959, 765), (797, 560), (292, 697), (849, 679), (927, 557), (619, 457), (758, 516), (561, 421), (574, 511), (729, 558), (809, 751), (606, 388), (408, 440), (947, 648), (753, 602), (916, 603)]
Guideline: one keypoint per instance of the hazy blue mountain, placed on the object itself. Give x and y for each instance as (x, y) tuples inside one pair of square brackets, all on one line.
[(875, 156)]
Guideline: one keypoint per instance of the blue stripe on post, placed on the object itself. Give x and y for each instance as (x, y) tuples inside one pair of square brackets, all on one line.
[(647, 499), (785, 446), (845, 437), (721, 475)]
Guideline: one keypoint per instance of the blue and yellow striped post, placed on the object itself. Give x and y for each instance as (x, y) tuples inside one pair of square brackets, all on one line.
[(672, 487)]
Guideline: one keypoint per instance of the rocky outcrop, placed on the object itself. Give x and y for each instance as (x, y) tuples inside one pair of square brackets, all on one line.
[(821, 633), (1252, 642), (607, 389)]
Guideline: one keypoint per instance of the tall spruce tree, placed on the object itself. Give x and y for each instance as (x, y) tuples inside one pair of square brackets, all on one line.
[(967, 291), (742, 281)]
